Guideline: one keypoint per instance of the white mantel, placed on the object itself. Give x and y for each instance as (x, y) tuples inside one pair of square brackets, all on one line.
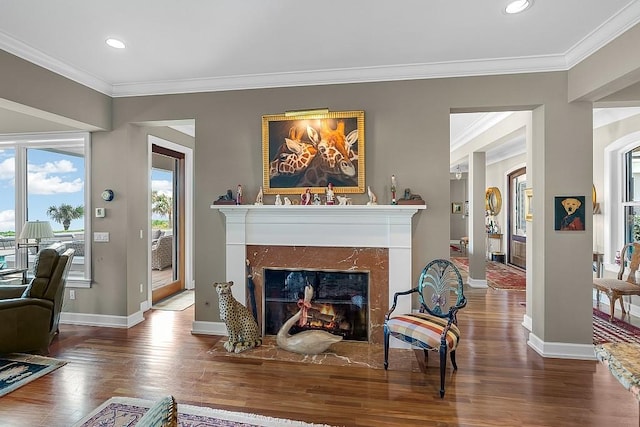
[(378, 226)]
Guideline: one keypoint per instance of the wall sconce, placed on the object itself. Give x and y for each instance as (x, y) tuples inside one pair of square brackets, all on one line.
[(458, 173)]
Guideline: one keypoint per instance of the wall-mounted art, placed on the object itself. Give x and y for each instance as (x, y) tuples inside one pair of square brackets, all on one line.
[(302, 151), (528, 204), (569, 213)]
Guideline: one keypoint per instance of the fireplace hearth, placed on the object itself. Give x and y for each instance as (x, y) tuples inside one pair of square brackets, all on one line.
[(340, 304)]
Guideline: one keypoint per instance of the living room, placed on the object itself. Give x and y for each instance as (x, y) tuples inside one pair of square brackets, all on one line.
[(407, 135)]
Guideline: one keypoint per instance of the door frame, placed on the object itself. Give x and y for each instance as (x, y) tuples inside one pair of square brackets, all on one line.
[(188, 210), (510, 208)]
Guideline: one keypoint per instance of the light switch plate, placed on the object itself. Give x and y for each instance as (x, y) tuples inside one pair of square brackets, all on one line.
[(100, 213), (101, 236)]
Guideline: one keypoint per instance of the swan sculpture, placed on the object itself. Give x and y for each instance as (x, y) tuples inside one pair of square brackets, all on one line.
[(305, 342)]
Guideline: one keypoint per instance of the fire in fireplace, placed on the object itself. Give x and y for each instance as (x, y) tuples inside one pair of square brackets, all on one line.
[(340, 304)]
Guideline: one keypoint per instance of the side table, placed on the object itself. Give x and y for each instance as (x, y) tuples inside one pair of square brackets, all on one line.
[(15, 271)]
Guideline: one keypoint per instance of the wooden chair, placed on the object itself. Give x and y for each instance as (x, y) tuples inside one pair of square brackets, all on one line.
[(434, 328), (617, 288)]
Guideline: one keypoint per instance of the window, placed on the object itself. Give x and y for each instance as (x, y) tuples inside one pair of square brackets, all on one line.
[(631, 196), (45, 177)]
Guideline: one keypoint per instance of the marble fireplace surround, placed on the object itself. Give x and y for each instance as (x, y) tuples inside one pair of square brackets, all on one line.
[(376, 239)]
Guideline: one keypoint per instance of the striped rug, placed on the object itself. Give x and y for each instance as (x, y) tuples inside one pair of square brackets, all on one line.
[(618, 331)]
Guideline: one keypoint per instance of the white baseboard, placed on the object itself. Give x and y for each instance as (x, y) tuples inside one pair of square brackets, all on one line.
[(107, 321), (561, 350), (209, 328), (527, 322), (477, 283)]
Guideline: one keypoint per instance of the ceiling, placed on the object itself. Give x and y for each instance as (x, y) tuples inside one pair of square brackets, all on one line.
[(204, 45)]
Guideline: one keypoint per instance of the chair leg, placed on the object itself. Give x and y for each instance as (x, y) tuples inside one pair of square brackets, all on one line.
[(443, 368), (426, 357), (452, 354), (612, 305), (386, 349)]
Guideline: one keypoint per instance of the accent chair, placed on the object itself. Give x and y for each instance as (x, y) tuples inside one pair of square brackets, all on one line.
[(435, 326)]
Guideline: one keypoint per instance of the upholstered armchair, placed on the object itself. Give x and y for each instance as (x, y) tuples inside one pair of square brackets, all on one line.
[(162, 253), (29, 314), (435, 326)]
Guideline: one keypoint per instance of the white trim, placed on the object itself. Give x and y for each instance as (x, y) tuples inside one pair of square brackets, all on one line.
[(619, 23), (189, 282), (477, 283), (560, 350), (527, 322), (102, 320), (209, 328)]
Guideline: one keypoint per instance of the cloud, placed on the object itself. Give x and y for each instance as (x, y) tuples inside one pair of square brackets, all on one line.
[(60, 166), (162, 187), (8, 168), (42, 183), (8, 220)]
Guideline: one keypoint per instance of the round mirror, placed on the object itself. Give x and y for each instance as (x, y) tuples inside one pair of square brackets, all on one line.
[(493, 201)]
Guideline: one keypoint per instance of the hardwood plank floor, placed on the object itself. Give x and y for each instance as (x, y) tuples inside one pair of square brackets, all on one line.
[(500, 380)]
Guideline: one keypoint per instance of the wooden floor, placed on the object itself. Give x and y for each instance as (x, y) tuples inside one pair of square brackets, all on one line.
[(500, 380)]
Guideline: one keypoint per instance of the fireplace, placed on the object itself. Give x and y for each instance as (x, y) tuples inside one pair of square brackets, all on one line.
[(340, 304), (357, 238)]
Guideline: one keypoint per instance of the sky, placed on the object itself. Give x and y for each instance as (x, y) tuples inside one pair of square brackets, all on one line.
[(53, 178)]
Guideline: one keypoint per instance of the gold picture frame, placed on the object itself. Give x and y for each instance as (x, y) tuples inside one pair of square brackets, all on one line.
[(528, 204), (310, 150)]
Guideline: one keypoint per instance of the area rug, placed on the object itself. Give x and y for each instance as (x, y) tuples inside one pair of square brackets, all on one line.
[(126, 411), (617, 331), (179, 302), (17, 370), (499, 276)]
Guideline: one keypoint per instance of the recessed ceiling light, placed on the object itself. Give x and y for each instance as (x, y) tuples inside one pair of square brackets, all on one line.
[(517, 6), (115, 43)]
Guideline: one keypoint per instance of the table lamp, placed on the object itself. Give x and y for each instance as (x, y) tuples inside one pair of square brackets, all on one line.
[(35, 230)]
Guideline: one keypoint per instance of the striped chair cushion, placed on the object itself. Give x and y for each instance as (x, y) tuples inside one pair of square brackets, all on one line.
[(163, 413), (423, 330)]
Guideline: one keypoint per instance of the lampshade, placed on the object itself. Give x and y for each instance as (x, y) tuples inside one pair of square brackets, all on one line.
[(36, 230)]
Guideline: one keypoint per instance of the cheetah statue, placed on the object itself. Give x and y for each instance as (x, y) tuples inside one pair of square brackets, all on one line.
[(241, 326)]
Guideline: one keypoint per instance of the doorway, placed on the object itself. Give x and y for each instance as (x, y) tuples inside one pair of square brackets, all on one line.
[(167, 222), (516, 218)]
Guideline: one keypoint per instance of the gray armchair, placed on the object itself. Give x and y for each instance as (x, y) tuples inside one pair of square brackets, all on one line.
[(29, 314), (162, 253)]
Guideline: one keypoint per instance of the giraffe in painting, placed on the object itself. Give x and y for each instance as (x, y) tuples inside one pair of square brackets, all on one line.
[(335, 148), (293, 156)]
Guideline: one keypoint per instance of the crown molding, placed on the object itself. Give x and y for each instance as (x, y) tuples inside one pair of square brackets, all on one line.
[(37, 57), (599, 37), (348, 75), (605, 33)]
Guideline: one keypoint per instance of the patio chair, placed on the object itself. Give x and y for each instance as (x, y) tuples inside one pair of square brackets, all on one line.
[(162, 253), (435, 326)]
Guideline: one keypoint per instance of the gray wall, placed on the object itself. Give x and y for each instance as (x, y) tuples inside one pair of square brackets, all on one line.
[(407, 134)]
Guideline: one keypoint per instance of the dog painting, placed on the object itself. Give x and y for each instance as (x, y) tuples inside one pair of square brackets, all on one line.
[(569, 213)]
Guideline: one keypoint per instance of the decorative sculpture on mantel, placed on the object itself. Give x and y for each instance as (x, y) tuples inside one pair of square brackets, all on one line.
[(305, 342), (373, 200)]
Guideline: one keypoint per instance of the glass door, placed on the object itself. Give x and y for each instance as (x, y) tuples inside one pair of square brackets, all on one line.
[(517, 237), (167, 224)]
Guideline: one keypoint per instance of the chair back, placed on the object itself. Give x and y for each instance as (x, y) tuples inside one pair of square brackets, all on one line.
[(630, 252), (440, 289)]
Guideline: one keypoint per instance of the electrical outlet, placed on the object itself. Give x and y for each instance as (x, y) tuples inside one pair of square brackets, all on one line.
[(141, 288), (72, 294)]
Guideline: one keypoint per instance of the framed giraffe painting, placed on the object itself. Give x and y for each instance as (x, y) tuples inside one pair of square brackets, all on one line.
[(313, 150)]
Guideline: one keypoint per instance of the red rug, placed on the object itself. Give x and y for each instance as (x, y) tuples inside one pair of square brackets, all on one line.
[(616, 331), (499, 276)]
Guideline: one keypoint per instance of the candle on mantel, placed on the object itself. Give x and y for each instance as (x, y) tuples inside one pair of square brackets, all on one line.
[(393, 190)]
